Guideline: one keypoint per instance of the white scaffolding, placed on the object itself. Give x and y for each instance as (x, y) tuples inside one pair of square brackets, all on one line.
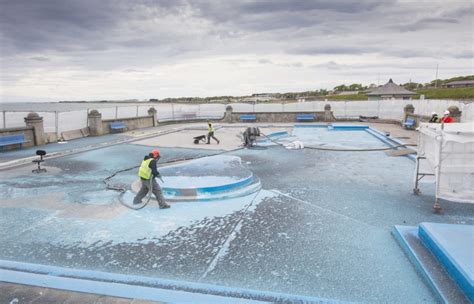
[(446, 151)]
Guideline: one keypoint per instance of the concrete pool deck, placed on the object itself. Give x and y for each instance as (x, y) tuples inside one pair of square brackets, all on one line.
[(320, 227)]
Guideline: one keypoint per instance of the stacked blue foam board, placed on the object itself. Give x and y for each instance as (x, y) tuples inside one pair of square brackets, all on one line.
[(444, 256), (453, 246)]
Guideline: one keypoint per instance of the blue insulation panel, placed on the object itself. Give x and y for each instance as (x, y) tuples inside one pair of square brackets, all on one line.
[(453, 246)]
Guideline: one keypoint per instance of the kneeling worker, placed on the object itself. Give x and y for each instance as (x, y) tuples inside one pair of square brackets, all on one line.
[(147, 174)]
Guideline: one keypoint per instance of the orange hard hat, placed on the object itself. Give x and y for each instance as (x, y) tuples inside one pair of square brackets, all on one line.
[(155, 153)]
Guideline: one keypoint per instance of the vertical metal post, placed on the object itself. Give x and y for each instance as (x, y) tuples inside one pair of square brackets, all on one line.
[(172, 111), (137, 111), (198, 114), (4, 119), (437, 206), (116, 112), (87, 117), (56, 123)]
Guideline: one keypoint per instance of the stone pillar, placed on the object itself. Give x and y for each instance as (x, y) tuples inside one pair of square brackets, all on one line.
[(328, 116), (152, 112), (95, 123), (228, 114), (35, 121), (455, 113)]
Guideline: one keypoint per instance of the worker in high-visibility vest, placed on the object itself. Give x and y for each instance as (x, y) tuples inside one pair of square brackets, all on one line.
[(147, 174), (210, 133)]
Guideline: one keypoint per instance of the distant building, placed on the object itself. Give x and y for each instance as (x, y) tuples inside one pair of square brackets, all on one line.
[(459, 84), (348, 93), (260, 97), (390, 90)]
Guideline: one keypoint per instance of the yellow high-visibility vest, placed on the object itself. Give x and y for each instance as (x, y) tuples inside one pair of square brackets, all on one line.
[(145, 170), (210, 128)]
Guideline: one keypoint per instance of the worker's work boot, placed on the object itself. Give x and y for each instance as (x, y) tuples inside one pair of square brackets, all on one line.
[(218, 141), (164, 206)]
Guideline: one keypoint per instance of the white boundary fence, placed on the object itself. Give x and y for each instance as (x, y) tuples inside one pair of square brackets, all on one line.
[(60, 121)]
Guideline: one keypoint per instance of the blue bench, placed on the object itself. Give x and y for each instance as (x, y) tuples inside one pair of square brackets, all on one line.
[(12, 140), (248, 117), (118, 126), (306, 116), (410, 123)]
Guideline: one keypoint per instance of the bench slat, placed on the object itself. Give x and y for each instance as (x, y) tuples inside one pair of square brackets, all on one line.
[(12, 140), (248, 117), (117, 125), (410, 122), (305, 117)]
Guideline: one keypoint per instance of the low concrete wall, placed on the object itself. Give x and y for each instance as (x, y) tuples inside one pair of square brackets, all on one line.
[(276, 116), (27, 131), (74, 134), (132, 123)]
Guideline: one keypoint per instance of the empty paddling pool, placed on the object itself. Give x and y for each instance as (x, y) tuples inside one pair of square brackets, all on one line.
[(311, 225), (208, 178)]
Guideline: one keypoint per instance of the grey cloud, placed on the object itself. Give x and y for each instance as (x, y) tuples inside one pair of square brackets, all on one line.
[(133, 71), (41, 25), (331, 65), (469, 54), (334, 49), (451, 16), (271, 15), (39, 58)]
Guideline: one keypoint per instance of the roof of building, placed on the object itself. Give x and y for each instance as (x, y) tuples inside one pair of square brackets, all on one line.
[(390, 88), (460, 82)]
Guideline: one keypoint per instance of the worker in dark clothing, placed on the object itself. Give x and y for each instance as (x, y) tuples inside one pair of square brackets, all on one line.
[(250, 136), (210, 133), (434, 117), (147, 174)]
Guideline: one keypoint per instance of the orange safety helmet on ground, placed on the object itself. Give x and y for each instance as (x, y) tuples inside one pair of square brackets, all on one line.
[(155, 153)]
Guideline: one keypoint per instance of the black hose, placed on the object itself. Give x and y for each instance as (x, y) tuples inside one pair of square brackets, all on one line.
[(142, 204), (122, 190)]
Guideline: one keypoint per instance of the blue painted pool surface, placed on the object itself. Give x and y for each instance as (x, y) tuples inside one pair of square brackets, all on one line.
[(319, 227), (453, 245)]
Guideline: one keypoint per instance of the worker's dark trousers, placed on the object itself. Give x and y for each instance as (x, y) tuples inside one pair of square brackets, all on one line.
[(211, 135), (144, 190)]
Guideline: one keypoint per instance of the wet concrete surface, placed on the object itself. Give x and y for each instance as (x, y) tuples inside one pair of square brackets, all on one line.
[(320, 227), (18, 294)]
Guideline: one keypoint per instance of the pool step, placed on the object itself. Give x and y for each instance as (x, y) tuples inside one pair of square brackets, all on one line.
[(436, 250)]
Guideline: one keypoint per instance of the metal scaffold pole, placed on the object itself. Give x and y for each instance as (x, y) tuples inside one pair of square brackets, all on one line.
[(437, 207)]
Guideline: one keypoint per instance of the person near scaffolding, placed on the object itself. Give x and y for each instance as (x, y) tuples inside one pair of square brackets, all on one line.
[(434, 118), (147, 173), (447, 117)]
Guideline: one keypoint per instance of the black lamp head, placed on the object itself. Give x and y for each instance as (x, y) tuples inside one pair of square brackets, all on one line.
[(41, 152)]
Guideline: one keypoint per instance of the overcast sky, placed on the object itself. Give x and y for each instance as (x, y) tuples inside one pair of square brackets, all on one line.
[(96, 49)]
